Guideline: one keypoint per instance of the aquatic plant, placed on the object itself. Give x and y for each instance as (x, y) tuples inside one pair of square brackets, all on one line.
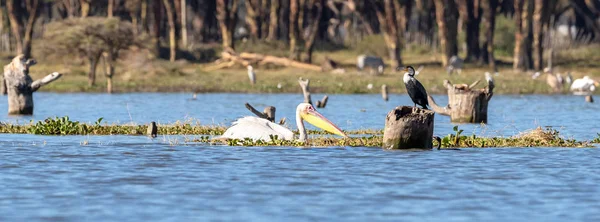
[(361, 138)]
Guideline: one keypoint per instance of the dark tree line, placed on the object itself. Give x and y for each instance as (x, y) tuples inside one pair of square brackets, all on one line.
[(181, 24)]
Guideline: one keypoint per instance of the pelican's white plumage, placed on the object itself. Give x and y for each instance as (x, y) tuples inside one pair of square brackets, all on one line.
[(257, 129), (584, 86), (261, 129)]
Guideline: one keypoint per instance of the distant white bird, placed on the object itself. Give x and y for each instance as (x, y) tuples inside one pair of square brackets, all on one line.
[(370, 86), (279, 85), (536, 75), (584, 86), (261, 129), (251, 75)]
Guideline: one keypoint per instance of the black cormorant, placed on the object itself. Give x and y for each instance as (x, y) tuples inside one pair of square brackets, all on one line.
[(415, 89)]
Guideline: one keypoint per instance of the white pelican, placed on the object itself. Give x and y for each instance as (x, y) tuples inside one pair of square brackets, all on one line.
[(584, 86), (251, 75), (261, 129)]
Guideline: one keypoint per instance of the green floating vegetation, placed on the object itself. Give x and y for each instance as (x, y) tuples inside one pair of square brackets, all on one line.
[(533, 138), (65, 126), (596, 140), (363, 138)]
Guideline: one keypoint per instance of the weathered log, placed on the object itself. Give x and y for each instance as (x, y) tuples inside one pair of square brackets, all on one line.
[(20, 86), (408, 128), (268, 113), (322, 103), (305, 89), (152, 130), (384, 92), (465, 105), (245, 59)]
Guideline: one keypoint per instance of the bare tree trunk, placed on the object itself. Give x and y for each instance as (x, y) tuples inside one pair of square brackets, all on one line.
[(85, 8), (517, 59), (252, 18), (523, 39), (538, 35), (447, 24), (226, 17), (32, 7), (489, 14), (144, 16), (469, 12), (273, 20), (157, 11), (293, 29), (15, 25), (314, 28), (184, 40), (109, 65), (387, 15), (172, 28), (92, 73), (110, 8)]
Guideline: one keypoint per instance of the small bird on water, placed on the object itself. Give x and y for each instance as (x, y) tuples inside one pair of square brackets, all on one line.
[(415, 89)]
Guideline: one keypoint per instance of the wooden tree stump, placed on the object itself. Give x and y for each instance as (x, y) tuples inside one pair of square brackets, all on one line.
[(384, 92), (305, 89), (465, 105), (20, 87), (408, 128), (322, 103)]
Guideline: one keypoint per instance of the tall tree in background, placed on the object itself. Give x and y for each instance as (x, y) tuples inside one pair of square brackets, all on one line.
[(470, 13), (227, 17), (293, 29), (446, 17), (489, 23), (522, 58), (313, 19), (390, 16), (172, 29), (134, 7), (273, 20), (254, 17), (16, 15)]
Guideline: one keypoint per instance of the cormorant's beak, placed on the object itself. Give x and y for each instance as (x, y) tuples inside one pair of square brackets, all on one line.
[(400, 68), (316, 119)]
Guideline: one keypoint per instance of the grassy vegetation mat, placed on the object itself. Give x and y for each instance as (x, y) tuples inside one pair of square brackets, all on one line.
[(359, 138)]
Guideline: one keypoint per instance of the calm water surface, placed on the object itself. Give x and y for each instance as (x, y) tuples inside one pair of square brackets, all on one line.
[(120, 178), (128, 178), (508, 115)]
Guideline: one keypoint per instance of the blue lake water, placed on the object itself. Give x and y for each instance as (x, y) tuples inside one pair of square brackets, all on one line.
[(134, 178), (507, 115)]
